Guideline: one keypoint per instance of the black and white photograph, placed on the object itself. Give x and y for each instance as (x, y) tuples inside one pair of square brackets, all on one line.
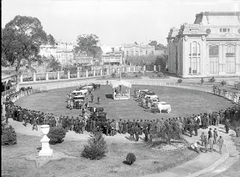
[(120, 88)]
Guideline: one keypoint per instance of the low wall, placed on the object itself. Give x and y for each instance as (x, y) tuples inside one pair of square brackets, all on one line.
[(167, 83)]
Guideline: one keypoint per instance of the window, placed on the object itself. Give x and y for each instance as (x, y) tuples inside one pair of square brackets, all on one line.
[(194, 48), (230, 50), (213, 65), (228, 30), (230, 65), (213, 50), (220, 29), (190, 49), (224, 30)]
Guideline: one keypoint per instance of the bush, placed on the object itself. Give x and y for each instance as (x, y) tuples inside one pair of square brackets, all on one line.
[(223, 82), (136, 75), (180, 80), (113, 75), (202, 80), (123, 74), (130, 159), (160, 74), (56, 135), (212, 79), (96, 147), (9, 136)]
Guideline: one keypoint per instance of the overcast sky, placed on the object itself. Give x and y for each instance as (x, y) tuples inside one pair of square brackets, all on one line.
[(113, 21)]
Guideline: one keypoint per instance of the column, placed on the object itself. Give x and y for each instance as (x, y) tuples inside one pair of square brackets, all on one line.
[(154, 68), (86, 73), (21, 79), (34, 77), (134, 68), (144, 68), (237, 58), (46, 76), (101, 73), (68, 74), (58, 75), (94, 72), (78, 73), (221, 58)]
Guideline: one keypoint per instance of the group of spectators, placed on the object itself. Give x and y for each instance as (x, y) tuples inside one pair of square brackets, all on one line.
[(92, 119)]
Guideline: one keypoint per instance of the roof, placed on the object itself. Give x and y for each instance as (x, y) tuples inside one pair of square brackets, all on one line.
[(218, 18), (115, 84)]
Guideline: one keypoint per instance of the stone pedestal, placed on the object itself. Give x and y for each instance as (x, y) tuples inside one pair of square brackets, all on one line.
[(58, 75), (68, 74), (46, 150), (34, 77), (46, 76)]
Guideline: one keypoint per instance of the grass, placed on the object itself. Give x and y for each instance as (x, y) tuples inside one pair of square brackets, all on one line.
[(183, 102), (148, 160)]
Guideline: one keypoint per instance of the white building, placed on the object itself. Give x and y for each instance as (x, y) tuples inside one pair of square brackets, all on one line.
[(62, 51), (208, 47)]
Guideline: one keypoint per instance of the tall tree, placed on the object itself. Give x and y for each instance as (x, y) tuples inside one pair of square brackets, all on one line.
[(50, 40), (88, 43), (21, 39)]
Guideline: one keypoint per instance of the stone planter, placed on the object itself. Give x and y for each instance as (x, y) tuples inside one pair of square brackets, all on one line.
[(46, 150)]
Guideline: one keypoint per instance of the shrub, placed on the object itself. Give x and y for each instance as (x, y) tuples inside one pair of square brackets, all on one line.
[(123, 74), (56, 135), (136, 75), (130, 159), (160, 74), (202, 80), (223, 82), (8, 135), (96, 147), (212, 79), (113, 75), (180, 80)]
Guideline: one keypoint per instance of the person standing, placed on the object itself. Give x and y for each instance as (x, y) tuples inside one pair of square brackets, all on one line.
[(210, 139), (98, 100), (220, 144), (215, 136), (92, 97)]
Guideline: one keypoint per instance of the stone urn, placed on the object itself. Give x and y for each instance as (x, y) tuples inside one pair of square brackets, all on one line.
[(46, 150)]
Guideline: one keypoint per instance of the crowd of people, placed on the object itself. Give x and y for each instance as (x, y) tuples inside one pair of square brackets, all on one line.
[(91, 119)]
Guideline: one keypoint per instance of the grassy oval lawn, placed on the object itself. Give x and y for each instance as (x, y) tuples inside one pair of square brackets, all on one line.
[(183, 103)]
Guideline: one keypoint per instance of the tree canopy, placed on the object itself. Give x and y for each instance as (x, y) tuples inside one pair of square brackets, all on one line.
[(21, 39), (157, 46), (88, 43)]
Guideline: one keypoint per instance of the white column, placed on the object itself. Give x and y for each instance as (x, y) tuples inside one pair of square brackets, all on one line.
[(134, 68), (86, 73), (46, 76), (58, 75), (101, 73), (237, 57), (94, 72), (154, 68), (34, 77), (78, 73), (21, 78), (68, 73)]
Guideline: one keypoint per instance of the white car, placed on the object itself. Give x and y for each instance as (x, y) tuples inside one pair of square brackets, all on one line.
[(80, 92), (151, 97), (163, 106)]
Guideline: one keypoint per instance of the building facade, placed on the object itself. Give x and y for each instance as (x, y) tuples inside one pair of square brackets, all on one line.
[(138, 50), (113, 58), (61, 51), (208, 47)]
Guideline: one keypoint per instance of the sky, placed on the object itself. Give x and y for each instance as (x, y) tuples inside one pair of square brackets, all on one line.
[(115, 22)]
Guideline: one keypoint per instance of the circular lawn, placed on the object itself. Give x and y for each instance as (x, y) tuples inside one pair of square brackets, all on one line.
[(183, 102)]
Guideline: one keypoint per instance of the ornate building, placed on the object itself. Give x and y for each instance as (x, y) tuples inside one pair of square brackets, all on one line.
[(138, 50), (209, 47)]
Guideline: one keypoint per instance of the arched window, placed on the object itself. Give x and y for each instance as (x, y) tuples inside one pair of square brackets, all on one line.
[(230, 50)]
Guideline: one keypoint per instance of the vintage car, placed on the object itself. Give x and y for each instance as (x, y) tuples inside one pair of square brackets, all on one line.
[(80, 98), (79, 92), (159, 106), (151, 97)]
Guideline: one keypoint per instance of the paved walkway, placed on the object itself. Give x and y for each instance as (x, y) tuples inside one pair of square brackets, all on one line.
[(206, 162)]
